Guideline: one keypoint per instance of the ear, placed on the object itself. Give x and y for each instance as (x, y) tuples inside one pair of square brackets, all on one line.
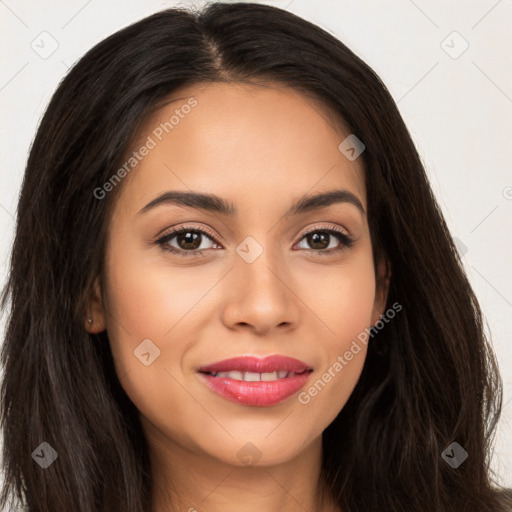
[(383, 278), (95, 309)]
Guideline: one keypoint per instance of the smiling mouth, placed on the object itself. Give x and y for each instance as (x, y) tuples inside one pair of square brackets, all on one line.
[(256, 377), (255, 381), (256, 389)]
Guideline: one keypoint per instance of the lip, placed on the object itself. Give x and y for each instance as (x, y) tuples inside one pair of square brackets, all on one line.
[(258, 365), (256, 393)]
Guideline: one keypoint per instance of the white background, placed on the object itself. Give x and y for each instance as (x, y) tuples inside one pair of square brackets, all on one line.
[(458, 110)]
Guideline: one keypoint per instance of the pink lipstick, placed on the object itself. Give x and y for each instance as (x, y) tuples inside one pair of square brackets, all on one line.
[(253, 381)]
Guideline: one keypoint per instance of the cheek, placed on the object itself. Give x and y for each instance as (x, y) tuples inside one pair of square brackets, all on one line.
[(148, 299), (148, 302), (342, 300), (341, 297)]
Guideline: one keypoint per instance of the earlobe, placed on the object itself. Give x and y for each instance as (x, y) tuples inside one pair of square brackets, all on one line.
[(95, 312)]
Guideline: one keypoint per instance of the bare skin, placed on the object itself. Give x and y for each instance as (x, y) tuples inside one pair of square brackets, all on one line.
[(261, 148)]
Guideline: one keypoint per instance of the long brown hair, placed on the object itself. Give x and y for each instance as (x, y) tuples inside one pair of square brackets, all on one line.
[(430, 378)]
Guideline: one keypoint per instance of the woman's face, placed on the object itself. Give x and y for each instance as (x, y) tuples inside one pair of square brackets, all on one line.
[(241, 283)]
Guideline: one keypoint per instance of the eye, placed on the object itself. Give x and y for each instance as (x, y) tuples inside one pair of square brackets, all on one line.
[(186, 241), (322, 243)]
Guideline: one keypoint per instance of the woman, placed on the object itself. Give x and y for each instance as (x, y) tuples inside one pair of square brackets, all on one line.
[(232, 287)]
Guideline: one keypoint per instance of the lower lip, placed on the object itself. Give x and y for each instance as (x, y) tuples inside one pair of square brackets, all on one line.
[(258, 393)]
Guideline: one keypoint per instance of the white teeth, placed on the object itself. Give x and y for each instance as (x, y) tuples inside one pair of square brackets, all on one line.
[(253, 376), (231, 375)]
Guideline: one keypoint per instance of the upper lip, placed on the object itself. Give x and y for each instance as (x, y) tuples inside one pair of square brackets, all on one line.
[(257, 365)]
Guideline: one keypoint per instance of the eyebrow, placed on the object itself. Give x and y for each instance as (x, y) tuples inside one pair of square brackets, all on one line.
[(216, 204)]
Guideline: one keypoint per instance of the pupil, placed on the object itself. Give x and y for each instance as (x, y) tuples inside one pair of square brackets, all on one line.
[(319, 237), (189, 239)]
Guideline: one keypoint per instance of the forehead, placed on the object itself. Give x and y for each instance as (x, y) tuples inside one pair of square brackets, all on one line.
[(241, 141)]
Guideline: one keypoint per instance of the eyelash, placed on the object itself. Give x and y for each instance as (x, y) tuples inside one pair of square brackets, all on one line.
[(346, 240)]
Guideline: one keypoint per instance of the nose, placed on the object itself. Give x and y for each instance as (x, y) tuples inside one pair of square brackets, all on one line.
[(261, 297)]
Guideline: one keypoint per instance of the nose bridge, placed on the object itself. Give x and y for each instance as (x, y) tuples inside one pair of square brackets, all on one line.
[(258, 265), (259, 296)]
